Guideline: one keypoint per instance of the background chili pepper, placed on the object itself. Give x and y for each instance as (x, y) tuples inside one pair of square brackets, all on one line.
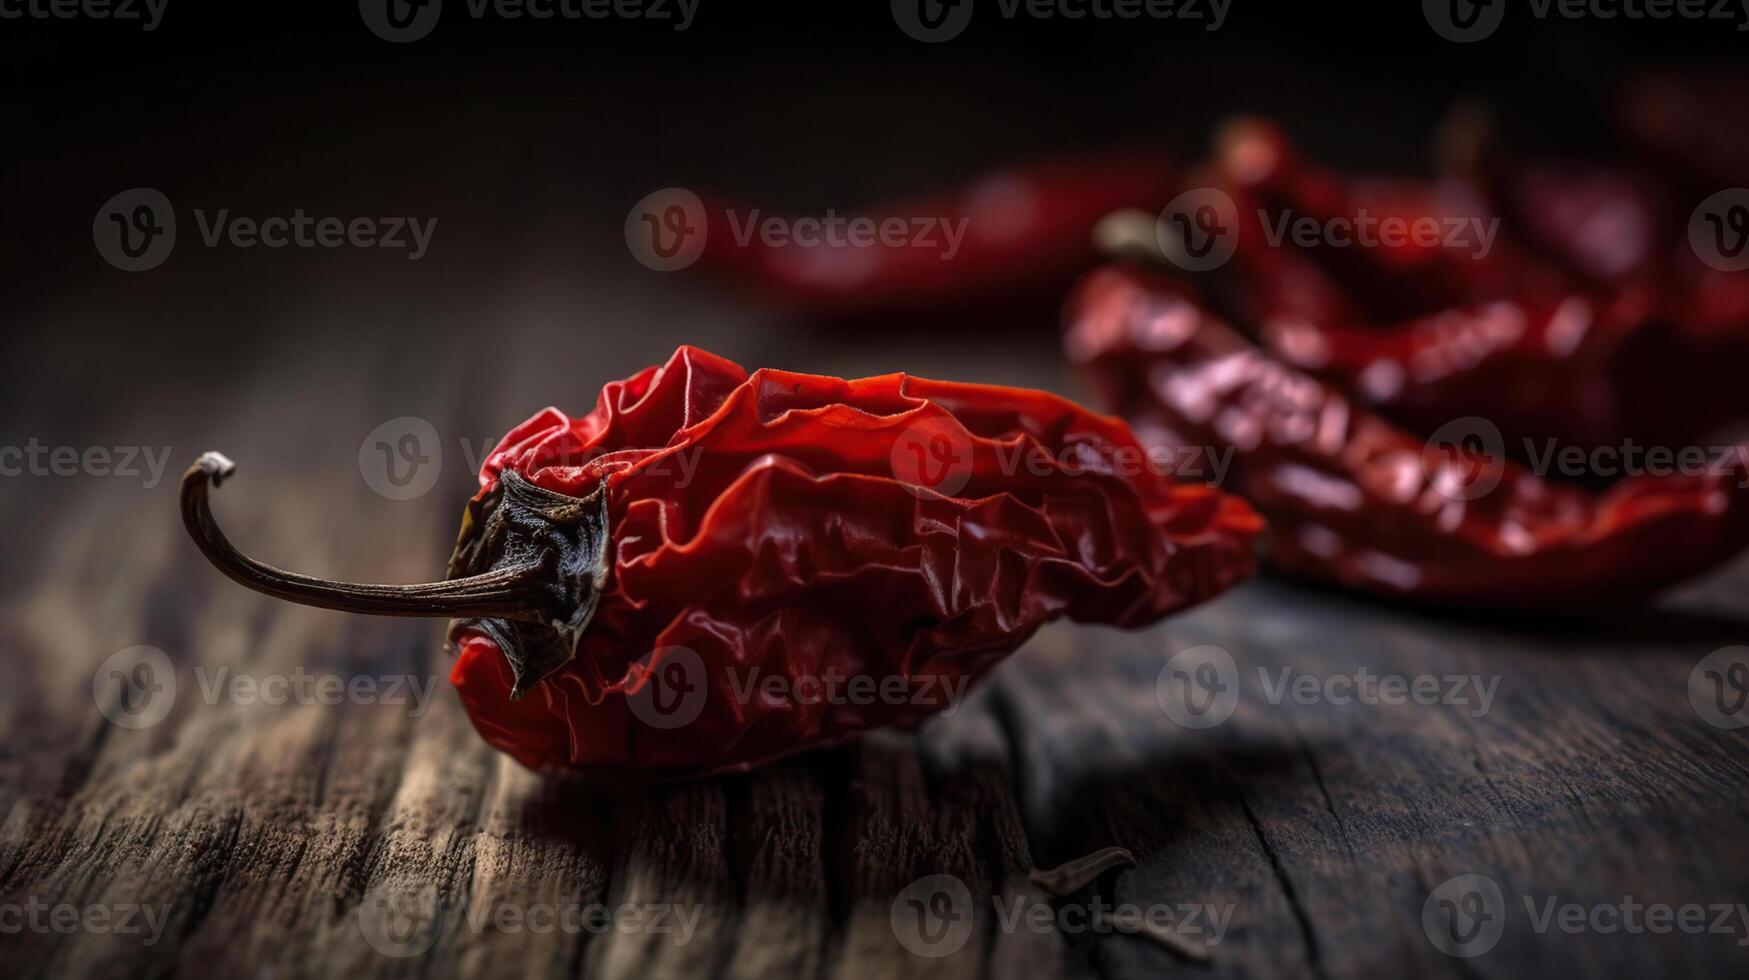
[(1427, 333), (1623, 229), (1356, 501), (1028, 229)]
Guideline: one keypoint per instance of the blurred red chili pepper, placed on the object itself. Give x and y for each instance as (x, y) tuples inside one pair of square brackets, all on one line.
[(1694, 123), (1356, 501), (1426, 332), (1669, 314), (676, 579), (1274, 187), (1606, 223), (1025, 229)]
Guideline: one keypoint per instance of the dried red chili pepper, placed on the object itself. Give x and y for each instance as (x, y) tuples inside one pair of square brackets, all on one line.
[(1665, 312), (1027, 228), (733, 531), (1356, 501), (1427, 333), (1605, 223)]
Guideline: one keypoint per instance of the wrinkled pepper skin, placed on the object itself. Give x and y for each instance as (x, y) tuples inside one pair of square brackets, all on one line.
[(769, 524), (1354, 501)]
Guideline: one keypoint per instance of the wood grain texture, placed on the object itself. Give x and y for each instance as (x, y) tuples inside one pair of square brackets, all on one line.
[(282, 840)]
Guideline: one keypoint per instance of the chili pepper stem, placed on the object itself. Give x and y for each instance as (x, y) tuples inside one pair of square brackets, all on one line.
[(501, 593)]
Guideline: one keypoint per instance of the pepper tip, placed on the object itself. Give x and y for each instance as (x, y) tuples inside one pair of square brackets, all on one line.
[(216, 466)]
